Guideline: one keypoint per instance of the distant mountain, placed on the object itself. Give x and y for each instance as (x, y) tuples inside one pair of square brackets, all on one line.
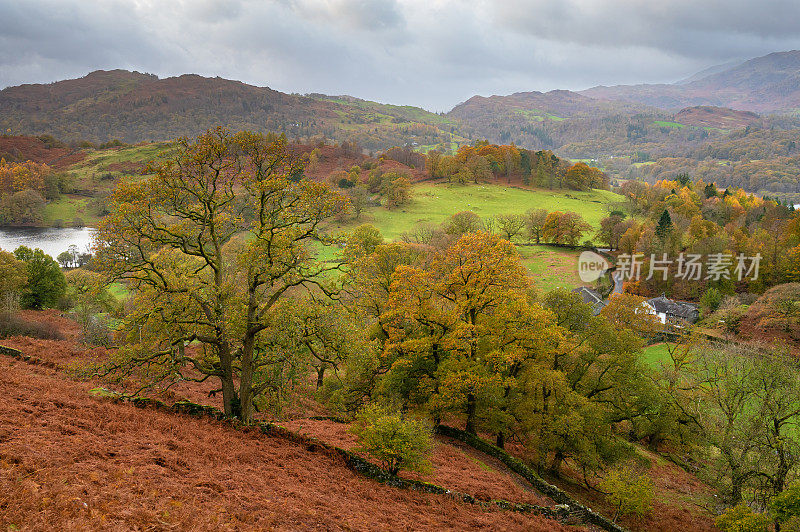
[(708, 71), (574, 125), (635, 120), (765, 84), (133, 107)]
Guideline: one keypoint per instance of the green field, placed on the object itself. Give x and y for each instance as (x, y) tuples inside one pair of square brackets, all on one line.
[(432, 203), (66, 209), (551, 267), (90, 172), (656, 354), (537, 115), (118, 290), (664, 123)]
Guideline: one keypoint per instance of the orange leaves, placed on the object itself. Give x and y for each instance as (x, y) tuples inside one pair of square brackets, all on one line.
[(15, 177), (564, 228), (461, 327), (581, 176), (479, 272)]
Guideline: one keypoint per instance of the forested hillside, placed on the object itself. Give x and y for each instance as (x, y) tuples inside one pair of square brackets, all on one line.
[(628, 139), (134, 107)]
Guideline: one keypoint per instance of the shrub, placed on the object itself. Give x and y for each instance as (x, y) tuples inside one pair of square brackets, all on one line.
[(710, 301), (97, 331), (15, 325), (786, 504), (629, 492), (396, 441), (741, 518)]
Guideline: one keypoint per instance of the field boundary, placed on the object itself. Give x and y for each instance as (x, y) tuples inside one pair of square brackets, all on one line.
[(517, 466)]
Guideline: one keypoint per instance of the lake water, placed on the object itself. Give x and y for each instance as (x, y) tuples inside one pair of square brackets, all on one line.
[(52, 241)]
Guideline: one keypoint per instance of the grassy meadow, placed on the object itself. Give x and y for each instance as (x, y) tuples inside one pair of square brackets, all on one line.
[(551, 267), (656, 354), (432, 203)]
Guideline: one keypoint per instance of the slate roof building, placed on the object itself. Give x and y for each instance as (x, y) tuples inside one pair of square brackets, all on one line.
[(673, 312), (591, 298)]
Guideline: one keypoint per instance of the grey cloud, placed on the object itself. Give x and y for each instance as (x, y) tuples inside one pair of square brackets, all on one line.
[(691, 28), (433, 53), (370, 15), (69, 38)]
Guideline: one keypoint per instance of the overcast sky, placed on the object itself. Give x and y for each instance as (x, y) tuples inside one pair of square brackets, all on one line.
[(432, 53)]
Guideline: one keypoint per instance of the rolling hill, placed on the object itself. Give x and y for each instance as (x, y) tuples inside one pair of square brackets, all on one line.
[(716, 117), (618, 127), (766, 84), (135, 107)]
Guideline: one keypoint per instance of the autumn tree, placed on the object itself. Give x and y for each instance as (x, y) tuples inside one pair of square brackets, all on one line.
[(29, 175), (611, 230), (359, 197), (602, 376), (462, 222), (211, 244), (564, 228), (444, 320), (46, 284), (534, 223), (13, 278), (510, 225), (747, 405), (367, 285), (581, 176), (397, 192), (322, 330), (25, 207), (362, 241)]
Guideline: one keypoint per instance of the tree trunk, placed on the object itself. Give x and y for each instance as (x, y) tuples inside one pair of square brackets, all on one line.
[(736, 491), (320, 376), (471, 408), (230, 399), (501, 439), (555, 465), (246, 380)]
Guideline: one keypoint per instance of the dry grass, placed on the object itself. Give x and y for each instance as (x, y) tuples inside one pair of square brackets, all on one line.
[(150, 470), (68, 461), (456, 466)]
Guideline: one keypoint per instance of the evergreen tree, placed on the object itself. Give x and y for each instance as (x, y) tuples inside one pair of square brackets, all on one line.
[(664, 225)]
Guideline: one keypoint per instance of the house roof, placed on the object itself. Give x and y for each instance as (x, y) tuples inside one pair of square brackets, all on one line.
[(669, 307), (591, 298)]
